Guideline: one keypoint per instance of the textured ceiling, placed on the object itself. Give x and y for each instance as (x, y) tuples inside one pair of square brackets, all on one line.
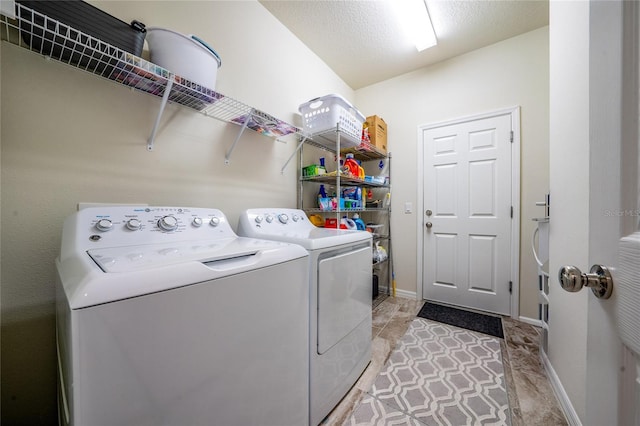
[(362, 42)]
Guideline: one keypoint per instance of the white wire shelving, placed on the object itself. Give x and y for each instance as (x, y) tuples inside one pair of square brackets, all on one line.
[(58, 41), (55, 40)]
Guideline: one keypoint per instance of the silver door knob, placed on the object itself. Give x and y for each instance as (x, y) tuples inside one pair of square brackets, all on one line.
[(429, 225), (598, 279)]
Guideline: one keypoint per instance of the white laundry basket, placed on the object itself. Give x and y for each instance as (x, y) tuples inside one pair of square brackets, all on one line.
[(324, 113)]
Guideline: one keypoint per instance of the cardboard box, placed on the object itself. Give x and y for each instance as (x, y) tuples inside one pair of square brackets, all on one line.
[(377, 132)]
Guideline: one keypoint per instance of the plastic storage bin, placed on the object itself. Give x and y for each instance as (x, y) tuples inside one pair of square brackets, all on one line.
[(324, 113), (185, 55), (61, 29)]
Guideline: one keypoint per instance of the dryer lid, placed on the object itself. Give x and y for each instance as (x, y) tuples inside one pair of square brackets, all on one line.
[(321, 238)]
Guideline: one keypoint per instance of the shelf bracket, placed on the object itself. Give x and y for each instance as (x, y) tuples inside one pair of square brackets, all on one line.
[(227, 157), (302, 141), (165, 99)]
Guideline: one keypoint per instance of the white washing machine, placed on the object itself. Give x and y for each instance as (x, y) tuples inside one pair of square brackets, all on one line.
[(166, 317), (340, 299)]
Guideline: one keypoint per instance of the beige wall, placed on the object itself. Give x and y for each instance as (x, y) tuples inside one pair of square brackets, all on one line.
[(510, 73), (68, 136)]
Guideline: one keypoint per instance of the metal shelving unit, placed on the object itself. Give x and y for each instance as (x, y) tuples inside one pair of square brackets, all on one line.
[(57, 41), (330, 141)]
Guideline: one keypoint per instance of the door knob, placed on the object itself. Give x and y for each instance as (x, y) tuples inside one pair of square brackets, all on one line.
[(598, 279), (429, 225)]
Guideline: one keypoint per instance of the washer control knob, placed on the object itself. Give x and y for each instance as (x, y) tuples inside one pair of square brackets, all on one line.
[(197, 222), (104, 225), (168, 223), (283, 218), (295, 217), (215, 221), (269, 218), (134, 224), (258, 219)]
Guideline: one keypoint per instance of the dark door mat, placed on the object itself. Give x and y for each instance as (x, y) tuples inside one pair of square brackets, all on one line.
[(482, 323)]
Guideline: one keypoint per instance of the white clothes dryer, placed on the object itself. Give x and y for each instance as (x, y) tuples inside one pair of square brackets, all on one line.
[(166, 317), (340, 299)]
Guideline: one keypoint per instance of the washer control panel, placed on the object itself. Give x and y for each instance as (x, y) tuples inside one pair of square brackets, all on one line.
[(114, 226)]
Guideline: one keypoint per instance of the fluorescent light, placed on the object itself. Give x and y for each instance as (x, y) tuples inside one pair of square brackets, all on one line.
[(414, 18)]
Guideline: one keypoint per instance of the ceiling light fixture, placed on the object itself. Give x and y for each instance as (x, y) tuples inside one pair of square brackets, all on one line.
[(414, 18)]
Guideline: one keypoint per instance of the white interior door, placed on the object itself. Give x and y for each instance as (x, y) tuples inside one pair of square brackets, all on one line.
[(594, 123), (467, 214), (628, 267)]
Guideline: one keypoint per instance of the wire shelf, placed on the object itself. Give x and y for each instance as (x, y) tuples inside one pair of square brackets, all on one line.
[(345, 180), (53, 39), (358, 210), (327, 140)]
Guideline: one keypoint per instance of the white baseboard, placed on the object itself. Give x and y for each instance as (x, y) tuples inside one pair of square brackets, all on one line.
[(531, 321), (561, 395), (406, 294)]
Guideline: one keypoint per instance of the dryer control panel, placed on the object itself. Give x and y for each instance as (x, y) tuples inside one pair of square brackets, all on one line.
[(269, 220), (293, 226)]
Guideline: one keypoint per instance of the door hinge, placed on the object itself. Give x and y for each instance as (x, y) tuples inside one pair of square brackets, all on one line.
[(512, 136), (511, 212), (510, 286)]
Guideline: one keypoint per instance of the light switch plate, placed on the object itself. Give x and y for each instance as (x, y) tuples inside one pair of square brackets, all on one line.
[(408, 207)]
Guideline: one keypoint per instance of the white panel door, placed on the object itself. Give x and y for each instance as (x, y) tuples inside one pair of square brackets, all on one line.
[(467, 213)]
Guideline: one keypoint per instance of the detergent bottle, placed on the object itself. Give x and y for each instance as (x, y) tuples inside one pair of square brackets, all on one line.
[(351, 166), (360, 226), (323, 201), (322, 169), (322, 193), (346, 223), (360, 170)]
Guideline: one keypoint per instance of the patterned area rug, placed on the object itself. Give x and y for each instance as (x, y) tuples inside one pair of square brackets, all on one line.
[(438, 375)]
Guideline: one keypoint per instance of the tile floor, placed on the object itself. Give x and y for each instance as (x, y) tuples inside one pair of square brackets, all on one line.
[(531, 398)]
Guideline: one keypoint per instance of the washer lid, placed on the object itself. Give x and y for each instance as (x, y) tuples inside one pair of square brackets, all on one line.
[(147, 256), (107, 275)]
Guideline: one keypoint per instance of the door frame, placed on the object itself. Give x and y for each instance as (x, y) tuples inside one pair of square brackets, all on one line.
[(514, 112)]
